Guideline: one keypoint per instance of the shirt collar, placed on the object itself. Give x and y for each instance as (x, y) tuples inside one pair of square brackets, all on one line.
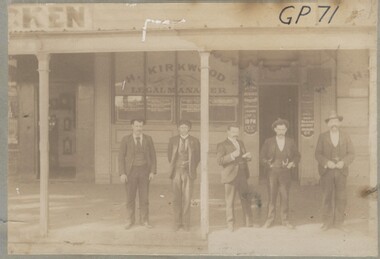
[(134, 137), (184, 137)]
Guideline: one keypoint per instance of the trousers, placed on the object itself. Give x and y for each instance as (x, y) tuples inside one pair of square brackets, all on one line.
[(138, 180), (279, 181), (240, 185), (334, 199), (182, 187)]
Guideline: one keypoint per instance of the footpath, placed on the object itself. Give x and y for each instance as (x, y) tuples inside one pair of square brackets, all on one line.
[(87, 218)]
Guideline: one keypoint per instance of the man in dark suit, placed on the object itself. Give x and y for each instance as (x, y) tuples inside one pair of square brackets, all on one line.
[(279, 154), (184, 157), (232, 156), (334, 153), (137, 167)]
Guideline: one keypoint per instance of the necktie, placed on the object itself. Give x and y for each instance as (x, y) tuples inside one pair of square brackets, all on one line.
[(183, 145), (138, 144)]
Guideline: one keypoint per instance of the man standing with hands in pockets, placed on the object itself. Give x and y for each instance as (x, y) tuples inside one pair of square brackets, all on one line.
[(137, 167), (232, 156)]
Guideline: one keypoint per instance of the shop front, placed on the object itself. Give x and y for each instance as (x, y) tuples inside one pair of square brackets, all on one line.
[(84, 71)]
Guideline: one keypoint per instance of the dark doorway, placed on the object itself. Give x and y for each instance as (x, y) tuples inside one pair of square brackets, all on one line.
[(62, 131), (278, 101)]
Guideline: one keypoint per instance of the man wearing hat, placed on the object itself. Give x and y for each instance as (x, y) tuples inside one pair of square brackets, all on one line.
[(233, 157), (279, 155), (184, 157), (334, 153)]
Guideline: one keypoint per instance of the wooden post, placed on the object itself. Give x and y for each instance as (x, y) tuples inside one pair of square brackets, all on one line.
[(372, 222), (43, 95), (204, 142)]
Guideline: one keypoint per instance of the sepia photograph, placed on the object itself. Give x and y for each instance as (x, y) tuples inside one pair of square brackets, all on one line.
[(193, 128)]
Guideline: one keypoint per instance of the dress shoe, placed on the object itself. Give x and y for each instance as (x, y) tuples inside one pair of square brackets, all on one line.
[(128, 226), (325, 227), (288, 225), (268, 224), (147, 225)]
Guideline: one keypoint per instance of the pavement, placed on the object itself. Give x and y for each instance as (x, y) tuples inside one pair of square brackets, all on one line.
[(87, 218)]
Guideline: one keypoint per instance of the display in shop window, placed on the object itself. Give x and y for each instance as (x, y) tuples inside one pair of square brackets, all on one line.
[(159, 108), (129, 107)]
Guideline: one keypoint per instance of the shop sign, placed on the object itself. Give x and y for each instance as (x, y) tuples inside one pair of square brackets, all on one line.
[(250, 106), (48, 18), (307, 110)]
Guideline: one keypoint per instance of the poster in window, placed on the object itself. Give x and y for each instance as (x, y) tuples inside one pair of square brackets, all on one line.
[(159, 108), (129, 107)]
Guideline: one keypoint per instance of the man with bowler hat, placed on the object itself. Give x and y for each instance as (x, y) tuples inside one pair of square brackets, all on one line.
[(279, 155), (334, 153), (137, 167), (184, 157)]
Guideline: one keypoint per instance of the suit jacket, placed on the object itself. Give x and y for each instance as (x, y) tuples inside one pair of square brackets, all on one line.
[(230, 166), (127, 154), (323, 151), (194, 155), (268, 151)]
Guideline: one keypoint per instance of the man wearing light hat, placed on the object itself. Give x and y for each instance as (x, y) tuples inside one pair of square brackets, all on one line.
[(184, 157), (279, 155), (334, 153)]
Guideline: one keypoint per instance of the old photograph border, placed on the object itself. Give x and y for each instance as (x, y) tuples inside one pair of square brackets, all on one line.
[(4, 123)]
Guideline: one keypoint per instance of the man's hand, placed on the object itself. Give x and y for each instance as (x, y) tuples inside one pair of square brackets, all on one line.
[(236, 153), (290, 165), (123, 178), (151, 176), (340, 165), (331, 165), (247, 155)]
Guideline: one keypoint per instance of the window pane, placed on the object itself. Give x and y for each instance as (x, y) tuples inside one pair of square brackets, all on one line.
[(160, 108), (190, 108), (129, 107), (223, 109)]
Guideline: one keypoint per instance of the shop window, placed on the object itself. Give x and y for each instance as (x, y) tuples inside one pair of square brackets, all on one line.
[(221, 109), (159, 108), (129, 107)]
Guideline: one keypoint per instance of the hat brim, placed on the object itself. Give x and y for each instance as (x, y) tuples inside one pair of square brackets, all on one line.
[(340, 118)]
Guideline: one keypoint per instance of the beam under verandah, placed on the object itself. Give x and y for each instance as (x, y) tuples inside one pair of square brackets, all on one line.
[(43, 100)]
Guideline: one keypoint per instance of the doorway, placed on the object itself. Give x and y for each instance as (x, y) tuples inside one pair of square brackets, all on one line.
[(62, 131), (278, 101)]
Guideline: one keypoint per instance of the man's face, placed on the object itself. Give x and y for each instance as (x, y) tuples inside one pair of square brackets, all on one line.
[(333, 124), (183, 129), (233, 132), (280, 130), (137, 127)]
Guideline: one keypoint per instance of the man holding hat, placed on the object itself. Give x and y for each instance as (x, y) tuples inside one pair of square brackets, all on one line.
[(334, 153), (279, 154), (184, 157)]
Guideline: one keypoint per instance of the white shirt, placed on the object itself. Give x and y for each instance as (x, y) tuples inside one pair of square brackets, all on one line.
[(334, 136), (134, 138), (280, 143), (186, 140), (236, 144)]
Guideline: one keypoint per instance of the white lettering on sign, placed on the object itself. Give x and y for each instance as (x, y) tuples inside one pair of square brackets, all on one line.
[(49, 18)]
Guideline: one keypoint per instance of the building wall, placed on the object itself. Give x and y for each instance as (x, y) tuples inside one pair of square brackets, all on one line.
[(352, 104)]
